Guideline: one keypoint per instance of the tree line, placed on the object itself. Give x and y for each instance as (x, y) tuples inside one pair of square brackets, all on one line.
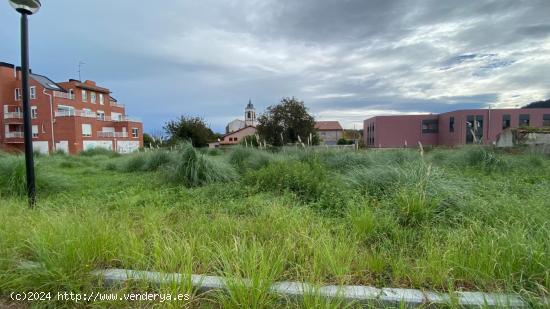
[(287, 122)]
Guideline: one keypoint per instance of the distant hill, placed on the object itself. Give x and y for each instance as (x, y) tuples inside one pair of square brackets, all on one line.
[(538, 104)]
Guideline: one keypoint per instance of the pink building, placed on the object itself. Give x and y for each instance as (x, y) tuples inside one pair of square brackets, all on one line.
[(452, 128)]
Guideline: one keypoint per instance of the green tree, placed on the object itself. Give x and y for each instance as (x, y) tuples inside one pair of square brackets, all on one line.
[(148, 140), (188, 128), (287, 122)]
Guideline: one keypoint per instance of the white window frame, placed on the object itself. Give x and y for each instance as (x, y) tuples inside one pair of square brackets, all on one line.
[(135, 132), (17, 94), (92, 97), (102, 113), (84, 96), (71, 94), (35, 131), (34, 112), (101, 99), (32, 92), (86, 125)]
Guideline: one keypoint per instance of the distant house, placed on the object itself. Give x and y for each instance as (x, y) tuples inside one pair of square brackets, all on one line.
[(329, 131), (236, 137)]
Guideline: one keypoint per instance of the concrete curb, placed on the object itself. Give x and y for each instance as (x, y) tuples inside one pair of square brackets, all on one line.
[(295, 290)]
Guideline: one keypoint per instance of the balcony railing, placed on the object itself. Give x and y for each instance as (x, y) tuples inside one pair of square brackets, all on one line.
[(75, 113), (16, 134), (13, 115), (112, 134), (89, 114), (115, 104), (63, 95)]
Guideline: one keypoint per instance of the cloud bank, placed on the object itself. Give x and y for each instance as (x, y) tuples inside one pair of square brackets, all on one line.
[(347, 59)]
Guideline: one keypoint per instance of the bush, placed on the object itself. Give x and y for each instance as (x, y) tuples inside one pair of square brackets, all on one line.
[(343, 141), (195, 169)]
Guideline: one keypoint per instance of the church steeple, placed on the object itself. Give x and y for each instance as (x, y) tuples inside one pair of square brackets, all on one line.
[(250, 114)]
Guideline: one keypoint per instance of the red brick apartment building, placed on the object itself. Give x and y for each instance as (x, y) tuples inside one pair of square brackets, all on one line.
[(450, 129), (70, 116)]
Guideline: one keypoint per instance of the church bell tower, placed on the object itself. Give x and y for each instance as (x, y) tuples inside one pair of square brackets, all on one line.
[(250, 114)]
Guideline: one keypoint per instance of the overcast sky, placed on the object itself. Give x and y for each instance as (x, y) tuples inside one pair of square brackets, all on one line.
[(348, 60)]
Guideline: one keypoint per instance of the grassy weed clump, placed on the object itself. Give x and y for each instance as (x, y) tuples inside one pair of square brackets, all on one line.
[(483, 158), (214, 152), (345, 160), (249, 158), (13, 178), (135, 163), (195, 169), (143, 162), (376, 181), (306, 180), (156, 160), (476, 157), (99, 152)]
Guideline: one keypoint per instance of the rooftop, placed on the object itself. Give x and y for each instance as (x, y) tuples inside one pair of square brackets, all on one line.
[(328, 126)]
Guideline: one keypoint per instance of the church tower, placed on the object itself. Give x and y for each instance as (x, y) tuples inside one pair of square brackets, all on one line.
[(250, 114)]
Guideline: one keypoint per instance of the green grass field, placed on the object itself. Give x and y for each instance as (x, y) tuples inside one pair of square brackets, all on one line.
[(467, 219)]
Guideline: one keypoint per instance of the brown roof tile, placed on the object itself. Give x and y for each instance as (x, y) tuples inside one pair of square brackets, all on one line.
[(328, 126)]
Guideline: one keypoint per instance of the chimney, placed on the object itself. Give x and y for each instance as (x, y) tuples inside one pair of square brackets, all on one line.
[(89, 82)]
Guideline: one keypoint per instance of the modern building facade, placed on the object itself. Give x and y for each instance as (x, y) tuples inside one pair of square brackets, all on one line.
[(329, 131), (475, 126), (70, 116)]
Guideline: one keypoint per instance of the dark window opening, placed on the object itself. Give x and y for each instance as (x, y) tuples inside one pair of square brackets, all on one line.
[(546, 120), (430, 126), (524, 120), (452, 124), (506, 121), (474, 129)]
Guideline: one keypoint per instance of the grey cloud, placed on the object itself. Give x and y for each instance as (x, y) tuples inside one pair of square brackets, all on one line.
[(208, 57)]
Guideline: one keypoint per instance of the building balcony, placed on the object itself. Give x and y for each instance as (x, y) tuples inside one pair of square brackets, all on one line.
[(13, 115), (115, 104), (15, 134), (111, 134), (75, 113), (13, 118), (63, 95), (88, 114)]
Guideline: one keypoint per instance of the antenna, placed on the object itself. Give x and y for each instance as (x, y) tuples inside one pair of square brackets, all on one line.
[(80, 63)]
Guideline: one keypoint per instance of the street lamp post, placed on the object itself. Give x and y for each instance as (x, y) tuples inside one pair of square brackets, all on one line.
[(25, 8)]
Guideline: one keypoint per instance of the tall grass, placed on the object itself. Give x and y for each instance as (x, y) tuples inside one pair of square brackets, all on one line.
[(195, 169), (250, 158), (13, 178), (98, 151), (442, 222)]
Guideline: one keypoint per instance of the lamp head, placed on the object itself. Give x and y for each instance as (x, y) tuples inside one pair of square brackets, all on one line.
[(25, 6)]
